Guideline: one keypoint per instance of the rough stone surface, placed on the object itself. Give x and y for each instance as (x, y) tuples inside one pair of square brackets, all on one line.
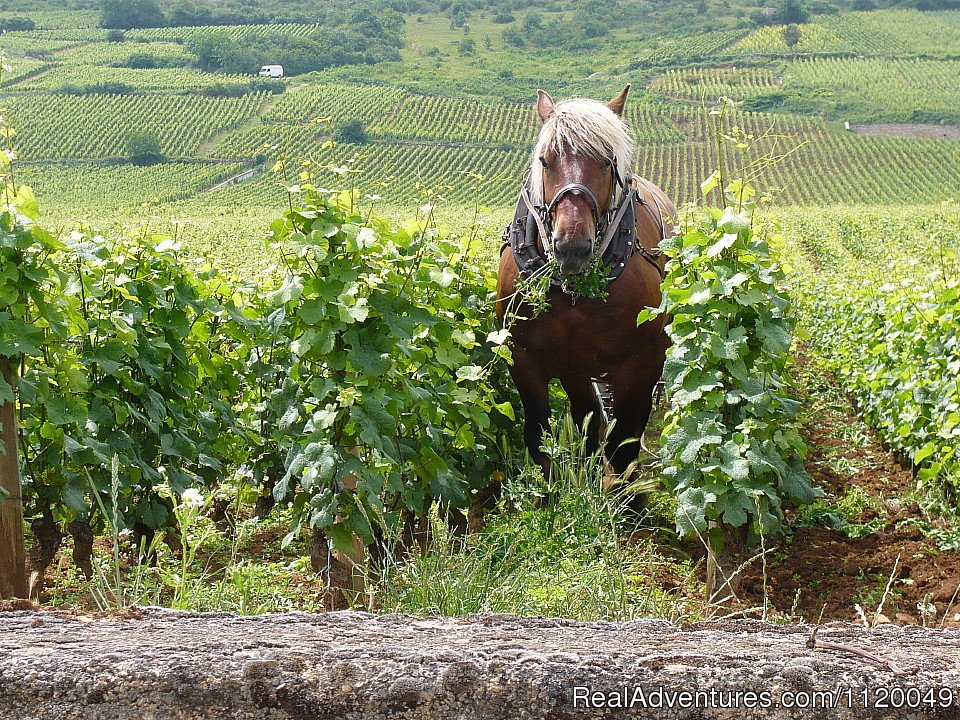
[(158, 664)]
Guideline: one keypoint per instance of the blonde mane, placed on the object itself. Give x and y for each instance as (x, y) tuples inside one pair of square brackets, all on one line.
[(581, 127)]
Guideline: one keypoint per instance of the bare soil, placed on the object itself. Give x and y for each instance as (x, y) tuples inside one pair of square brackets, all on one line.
[(821, 574), (908, 130)]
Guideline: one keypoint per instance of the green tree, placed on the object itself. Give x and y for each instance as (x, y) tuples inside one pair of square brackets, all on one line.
[(210, 49), (532, 21), (513, 36), (143, 148), (791, 35), (129, 14), (793, 13), (351, 132), (141, 61)]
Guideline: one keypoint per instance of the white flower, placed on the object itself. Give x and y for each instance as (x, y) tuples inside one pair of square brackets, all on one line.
[(192, 498)]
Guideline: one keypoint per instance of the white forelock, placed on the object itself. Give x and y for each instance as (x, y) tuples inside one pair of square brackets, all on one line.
[(581, 127)]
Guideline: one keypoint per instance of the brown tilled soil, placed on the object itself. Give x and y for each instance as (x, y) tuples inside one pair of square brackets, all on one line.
[(822, 574)]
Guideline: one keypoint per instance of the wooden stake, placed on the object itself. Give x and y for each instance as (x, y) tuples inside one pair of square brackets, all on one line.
[(13, 568)]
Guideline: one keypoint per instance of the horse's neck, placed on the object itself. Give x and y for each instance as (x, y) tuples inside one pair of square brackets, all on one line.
[(652, 221)]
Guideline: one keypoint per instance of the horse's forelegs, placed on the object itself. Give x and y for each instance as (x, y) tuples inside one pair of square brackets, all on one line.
[(584, 401), (632, 404), (533, 387)]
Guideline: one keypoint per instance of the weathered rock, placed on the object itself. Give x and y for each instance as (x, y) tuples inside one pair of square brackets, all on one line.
[(173, 666)]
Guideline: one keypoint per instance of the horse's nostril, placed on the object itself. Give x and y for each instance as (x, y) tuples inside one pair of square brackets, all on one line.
[(573, 248)]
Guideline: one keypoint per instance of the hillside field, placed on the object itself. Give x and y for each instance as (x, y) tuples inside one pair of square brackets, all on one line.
[(851, 124)]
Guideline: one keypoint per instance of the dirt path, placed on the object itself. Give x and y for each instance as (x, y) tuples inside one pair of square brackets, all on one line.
[(908, 130), (210, 144)]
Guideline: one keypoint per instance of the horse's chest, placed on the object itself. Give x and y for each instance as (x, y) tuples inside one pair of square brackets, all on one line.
[(575, 337)]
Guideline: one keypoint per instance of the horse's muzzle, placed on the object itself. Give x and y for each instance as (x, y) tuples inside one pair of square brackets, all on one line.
[(573, 258)]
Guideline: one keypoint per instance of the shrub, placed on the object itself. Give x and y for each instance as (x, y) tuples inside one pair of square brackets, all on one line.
[(352, 132), (141, 61), (791, 35), (143, 148), (513, 36), (731, 451), (17, 23), (129, 14)]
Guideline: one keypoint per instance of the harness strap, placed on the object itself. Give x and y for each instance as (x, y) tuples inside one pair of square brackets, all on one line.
[(532, 209), (613, 229)]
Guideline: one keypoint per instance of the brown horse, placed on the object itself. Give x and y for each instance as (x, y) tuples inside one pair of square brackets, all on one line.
[(580, 207)]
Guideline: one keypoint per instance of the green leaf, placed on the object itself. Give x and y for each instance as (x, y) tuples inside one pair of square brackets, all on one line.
[(776, 339), (470, 373), (691, 512), (710, 183), (357, 312), (722, 244), (6, 392), (506, 409), (734, 508)]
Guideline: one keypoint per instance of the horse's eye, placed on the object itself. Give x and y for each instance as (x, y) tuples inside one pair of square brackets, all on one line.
[(543, 161)]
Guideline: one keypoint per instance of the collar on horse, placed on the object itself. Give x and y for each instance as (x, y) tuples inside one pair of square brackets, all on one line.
[(530, 233)]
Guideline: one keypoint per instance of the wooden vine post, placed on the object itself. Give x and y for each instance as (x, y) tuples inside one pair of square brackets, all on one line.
[(13, 574)]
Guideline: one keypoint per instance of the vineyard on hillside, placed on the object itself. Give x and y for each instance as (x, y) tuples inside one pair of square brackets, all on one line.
[(327, 371), (111, 187), (418, 141), (98, 126)]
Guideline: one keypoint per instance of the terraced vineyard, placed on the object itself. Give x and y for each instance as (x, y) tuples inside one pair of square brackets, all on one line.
[(179, 80), (669, 51), (895, 89), (235, 32), (336, 102), (420, 141), (769, 41), (109, 188), (97, 126), (164, 54), (707, 84), (25, 68), (897, 32)]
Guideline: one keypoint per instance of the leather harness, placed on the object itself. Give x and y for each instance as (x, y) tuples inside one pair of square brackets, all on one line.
[(530, 233)]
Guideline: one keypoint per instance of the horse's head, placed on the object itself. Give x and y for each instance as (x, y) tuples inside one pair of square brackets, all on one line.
[(577, 172)]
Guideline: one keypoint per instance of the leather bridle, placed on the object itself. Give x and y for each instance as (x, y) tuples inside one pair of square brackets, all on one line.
[(606, 226)]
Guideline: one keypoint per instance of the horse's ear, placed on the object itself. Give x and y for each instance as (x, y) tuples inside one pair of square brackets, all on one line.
[(619, 101), (544, 105)]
